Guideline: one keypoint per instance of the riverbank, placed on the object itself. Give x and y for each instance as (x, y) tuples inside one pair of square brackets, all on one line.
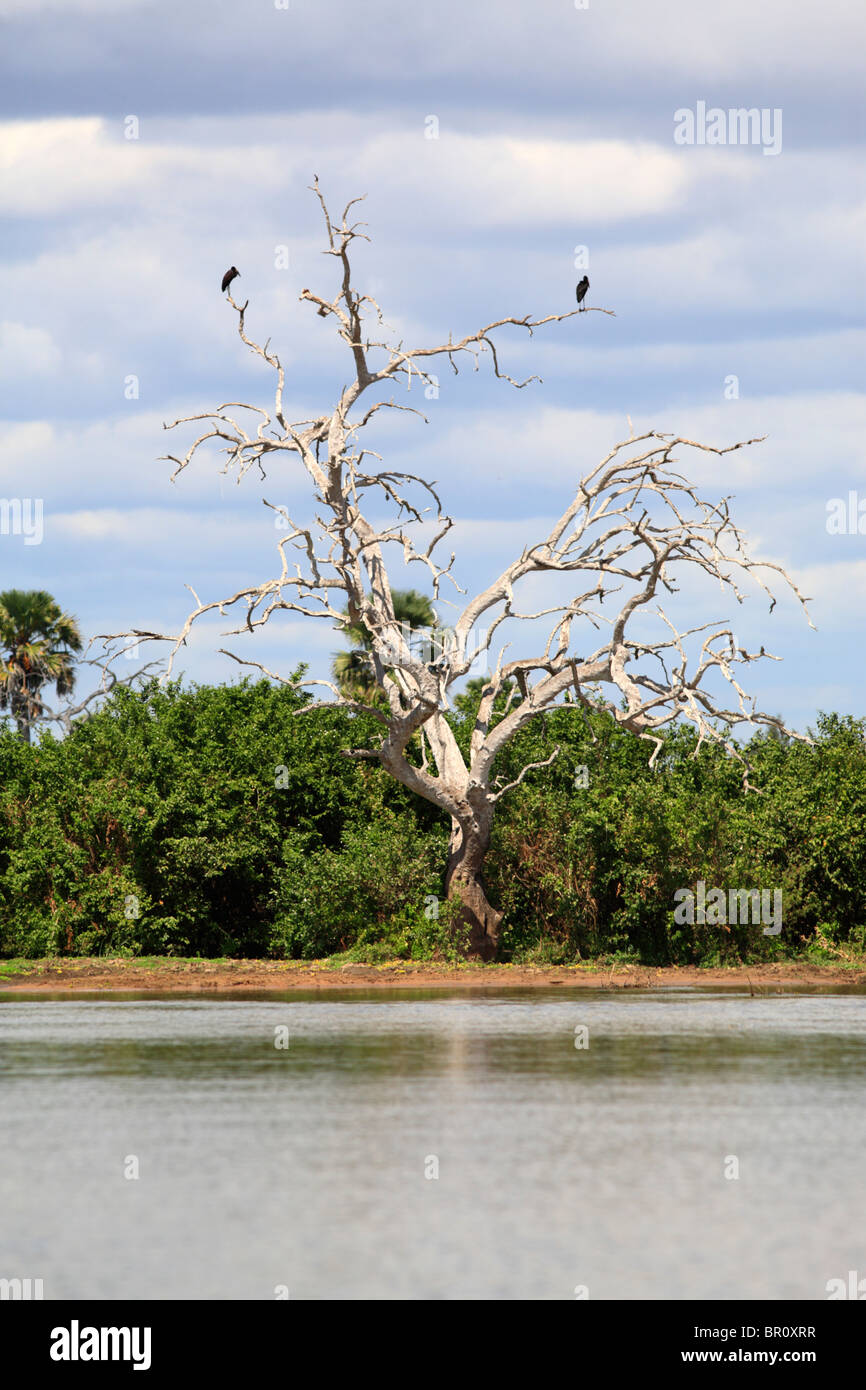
[(167, 975)]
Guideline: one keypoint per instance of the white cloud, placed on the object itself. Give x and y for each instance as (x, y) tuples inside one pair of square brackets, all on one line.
[(60, 164), (499, 179), (732, 40), (21, 444), (552, 446), (837, 589), (747, 358), (489, 42), (25, 349), (116, 457)]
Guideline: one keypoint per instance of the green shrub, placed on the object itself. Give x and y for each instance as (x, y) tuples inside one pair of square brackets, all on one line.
[(226, 821)]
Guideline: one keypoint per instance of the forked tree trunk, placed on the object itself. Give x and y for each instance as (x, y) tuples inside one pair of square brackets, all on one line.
[(463, 879)]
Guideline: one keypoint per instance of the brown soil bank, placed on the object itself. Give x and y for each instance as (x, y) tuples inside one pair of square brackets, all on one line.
[(167, 975)]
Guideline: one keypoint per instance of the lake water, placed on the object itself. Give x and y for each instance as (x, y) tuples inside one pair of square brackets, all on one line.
[(307, 1166)]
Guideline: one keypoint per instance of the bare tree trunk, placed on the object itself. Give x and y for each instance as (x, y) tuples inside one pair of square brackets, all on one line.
[(463, 879)]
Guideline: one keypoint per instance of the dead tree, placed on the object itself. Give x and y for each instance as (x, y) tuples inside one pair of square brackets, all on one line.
[(68, 715), (632, 529)]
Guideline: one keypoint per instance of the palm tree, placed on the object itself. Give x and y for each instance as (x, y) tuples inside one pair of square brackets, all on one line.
[(353, 670), (37, 643)]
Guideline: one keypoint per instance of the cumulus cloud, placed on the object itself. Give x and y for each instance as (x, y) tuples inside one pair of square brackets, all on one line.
[(497, 179), (59, 165), (553, 446)]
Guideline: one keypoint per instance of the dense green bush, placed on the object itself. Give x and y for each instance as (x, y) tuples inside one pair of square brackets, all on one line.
[(580, 871), (164, 824), (326, 899), (226, 821)]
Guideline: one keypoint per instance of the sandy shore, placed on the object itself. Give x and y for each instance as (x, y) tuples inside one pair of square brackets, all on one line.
[(167, 976)]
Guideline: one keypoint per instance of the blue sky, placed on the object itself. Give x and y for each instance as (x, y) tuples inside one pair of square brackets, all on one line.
[(555, 130)]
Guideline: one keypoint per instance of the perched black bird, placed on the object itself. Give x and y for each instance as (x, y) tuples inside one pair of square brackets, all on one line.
[(229, 276), (581, 290)]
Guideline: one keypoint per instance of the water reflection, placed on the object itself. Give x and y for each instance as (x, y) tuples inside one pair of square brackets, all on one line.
[(557, 1165)]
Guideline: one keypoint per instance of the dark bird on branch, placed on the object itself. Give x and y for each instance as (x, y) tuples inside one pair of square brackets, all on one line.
[(229, 276), (582, 288)]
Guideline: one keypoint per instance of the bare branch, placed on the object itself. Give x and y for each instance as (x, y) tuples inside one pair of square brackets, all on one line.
[(509, 786)]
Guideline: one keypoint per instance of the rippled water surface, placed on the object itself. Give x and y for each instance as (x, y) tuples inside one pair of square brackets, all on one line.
[(307, 1166)]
